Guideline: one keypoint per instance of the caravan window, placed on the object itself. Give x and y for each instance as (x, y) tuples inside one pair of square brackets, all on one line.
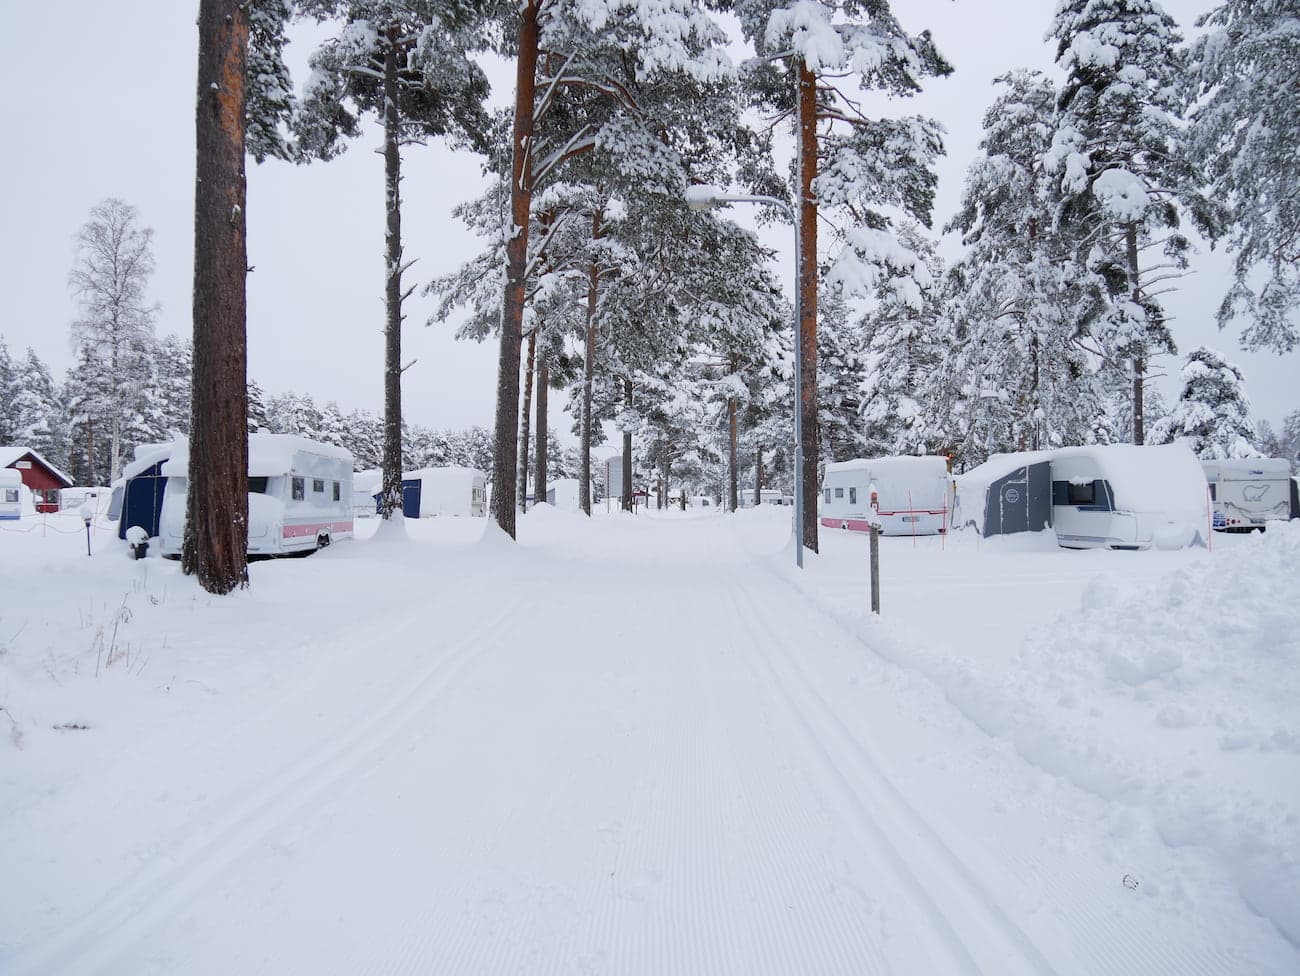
[(299, 489), (853, 496), (257, 486), (336, 491), (839, 492), (826, 494), (318, 485), (11, 495), (1081, 494)]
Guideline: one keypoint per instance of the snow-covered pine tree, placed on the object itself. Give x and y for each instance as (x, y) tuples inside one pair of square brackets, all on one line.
[(1121, 176), (841, 372), (604, 78), (258, 419), (170, 388), (1213, 411), (9, 390), (38, 410), (902, 356), (1017, 373), (1244, 135), (409, 64), (110, 280), (852, 172)]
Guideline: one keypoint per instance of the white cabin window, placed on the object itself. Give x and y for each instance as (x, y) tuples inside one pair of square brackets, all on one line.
[(336, 491), (853, 496), (839, 492), (299, 489), (318, 485)]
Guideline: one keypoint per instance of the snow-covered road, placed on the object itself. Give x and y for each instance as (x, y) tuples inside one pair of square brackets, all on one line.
[(632, 748)]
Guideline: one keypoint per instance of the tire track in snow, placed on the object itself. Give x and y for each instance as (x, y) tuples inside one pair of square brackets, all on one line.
[(977, 935), (157, 891)]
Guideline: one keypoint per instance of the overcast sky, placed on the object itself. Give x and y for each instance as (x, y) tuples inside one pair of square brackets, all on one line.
[(99, 103)]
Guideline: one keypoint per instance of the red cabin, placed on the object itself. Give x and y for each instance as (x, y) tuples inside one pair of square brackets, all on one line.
[(43, 478)]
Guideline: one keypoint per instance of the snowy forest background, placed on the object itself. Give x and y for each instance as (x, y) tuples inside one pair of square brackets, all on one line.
[(1075, 220)]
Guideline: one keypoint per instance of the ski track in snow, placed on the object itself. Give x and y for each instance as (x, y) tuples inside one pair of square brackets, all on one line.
[(976, 935), (667, 764), (128, 913)]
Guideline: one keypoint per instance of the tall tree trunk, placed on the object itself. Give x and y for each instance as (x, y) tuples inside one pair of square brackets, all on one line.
[(540, 473), (512, 310), (626, 500), (1139, 361), (215, 548), (392, 487), (523, 422), (807, 299), (667, 468), (733, 476), (90, 450), (758, 476), (588, 373)]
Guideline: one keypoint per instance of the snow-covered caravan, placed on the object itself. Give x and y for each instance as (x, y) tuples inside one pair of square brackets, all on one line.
[(701, 501), (1247, 493), (365, 490), (299, 495), (1124, 496), (1007, 493), (11, 494), (766, 496), (142, 488), (430, 492), (911, 494), (563, 493)]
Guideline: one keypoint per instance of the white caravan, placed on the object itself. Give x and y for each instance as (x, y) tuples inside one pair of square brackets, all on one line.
[(11, 493), (912, 495), (1247, 493), (430, 492), (1123, 496), (766, 496), (299, 495)]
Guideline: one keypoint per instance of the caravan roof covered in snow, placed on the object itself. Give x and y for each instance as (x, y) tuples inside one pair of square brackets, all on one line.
[(1246, 469), (268, 454), (925, 465), (450, 476), (975, 482), (1149, 477), (146, 456)]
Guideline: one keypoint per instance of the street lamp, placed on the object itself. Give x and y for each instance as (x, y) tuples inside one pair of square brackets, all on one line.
[(704, 197)]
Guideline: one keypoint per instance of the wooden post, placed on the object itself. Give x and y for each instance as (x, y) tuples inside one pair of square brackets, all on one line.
[(875, 568)]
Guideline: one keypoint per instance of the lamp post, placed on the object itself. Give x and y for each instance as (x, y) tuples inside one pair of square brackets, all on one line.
[(704, 197)]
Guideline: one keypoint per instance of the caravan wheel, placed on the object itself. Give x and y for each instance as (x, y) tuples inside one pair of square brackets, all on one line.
[(322, 540), (844, 526)]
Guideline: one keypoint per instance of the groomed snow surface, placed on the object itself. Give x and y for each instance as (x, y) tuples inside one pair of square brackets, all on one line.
[(646, 745)]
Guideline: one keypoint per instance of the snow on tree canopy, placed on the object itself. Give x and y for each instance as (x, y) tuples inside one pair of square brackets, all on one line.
[(1121, 194)]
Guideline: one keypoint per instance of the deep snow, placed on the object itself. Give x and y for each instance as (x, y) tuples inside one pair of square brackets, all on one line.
[(649, 745)]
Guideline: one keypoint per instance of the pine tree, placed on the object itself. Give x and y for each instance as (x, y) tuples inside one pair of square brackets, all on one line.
[(9, 390), (852, 171), (1244, 134), (1213, 411), (1116, 154), (628, 85), (407, 63), (1018, 372)]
